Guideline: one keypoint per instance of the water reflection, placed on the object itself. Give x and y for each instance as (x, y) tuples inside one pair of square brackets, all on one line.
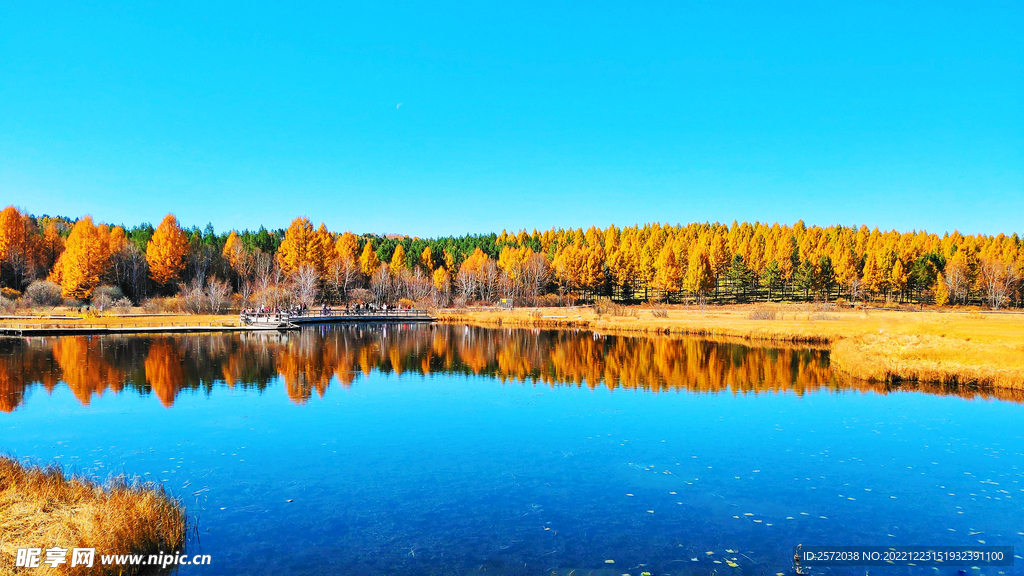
[(313, 360)]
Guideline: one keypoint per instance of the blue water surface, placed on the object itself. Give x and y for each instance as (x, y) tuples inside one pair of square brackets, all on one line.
[(452, 472)]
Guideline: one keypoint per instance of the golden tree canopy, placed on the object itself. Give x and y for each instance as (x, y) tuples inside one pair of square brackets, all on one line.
[(700, 277), (427, 259), (295, 248), (398, 259), (233, 250), (166, 251), (321, 250), (85, 259), (368, 261), (347, 247), (670, 273), (12, 232), (442, 279)]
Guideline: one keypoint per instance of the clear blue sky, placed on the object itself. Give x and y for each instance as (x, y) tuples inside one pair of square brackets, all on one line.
[(515, 115)]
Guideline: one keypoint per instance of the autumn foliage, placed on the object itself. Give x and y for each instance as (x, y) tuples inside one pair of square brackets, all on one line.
[(166, 251), (86, 258), (713, 262)]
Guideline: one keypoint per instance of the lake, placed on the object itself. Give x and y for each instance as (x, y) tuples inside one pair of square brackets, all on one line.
[(453, 450)]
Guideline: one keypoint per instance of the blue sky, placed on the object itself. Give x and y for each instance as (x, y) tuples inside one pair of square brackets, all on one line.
[(904, 116)]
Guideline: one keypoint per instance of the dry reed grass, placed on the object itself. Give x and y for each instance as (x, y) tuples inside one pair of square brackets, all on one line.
[(931, 358), (43, 508)]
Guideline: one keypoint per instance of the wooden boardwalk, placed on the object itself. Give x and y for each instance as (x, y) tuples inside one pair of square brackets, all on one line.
[(245, 323), (349, 316)]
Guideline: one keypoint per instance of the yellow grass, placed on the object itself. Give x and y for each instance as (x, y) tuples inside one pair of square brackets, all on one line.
[(945, 346), (43, 508)]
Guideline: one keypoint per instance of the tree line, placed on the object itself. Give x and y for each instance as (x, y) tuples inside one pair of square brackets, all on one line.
[(49, 260)]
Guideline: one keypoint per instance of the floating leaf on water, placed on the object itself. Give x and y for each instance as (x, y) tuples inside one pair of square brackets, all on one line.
[(709, 553), (731, 564)]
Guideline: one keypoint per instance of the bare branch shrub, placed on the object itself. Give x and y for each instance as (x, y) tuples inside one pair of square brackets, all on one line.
[(43, 293)]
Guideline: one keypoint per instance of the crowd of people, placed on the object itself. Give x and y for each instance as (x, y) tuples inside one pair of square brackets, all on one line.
[(272, 314)]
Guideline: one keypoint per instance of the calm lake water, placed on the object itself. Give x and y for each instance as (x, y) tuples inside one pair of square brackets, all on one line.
[(466, 451)]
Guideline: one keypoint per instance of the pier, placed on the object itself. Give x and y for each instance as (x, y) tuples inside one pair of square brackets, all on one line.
[(350, 315), (245, 322)]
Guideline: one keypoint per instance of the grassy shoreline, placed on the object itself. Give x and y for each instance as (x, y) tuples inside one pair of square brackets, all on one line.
[(933, 346), (42, 508)]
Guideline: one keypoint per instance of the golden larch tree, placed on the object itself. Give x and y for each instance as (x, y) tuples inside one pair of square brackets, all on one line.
[(368, 261), (85, 260), (670, 273), (427, 260), (12, 233), (347, 246), (941, 291), (166, 251), (442, 279), (295, 248), (321, 250), (234, 251), (52, 245), (398, 260), (700, 277)]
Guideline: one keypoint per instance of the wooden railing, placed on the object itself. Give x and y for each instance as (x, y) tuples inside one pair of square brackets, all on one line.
[(352, 312)]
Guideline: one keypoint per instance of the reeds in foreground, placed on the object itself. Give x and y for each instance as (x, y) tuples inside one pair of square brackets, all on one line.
[(43, 508)]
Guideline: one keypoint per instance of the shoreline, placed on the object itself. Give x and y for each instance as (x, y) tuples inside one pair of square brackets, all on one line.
[(930, 346), (937, 346)]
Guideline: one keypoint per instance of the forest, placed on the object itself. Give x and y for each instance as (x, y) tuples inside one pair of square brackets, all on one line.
[(51, 261)]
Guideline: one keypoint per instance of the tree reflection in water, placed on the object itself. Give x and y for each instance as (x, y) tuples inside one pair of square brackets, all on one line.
[(316, 358)]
